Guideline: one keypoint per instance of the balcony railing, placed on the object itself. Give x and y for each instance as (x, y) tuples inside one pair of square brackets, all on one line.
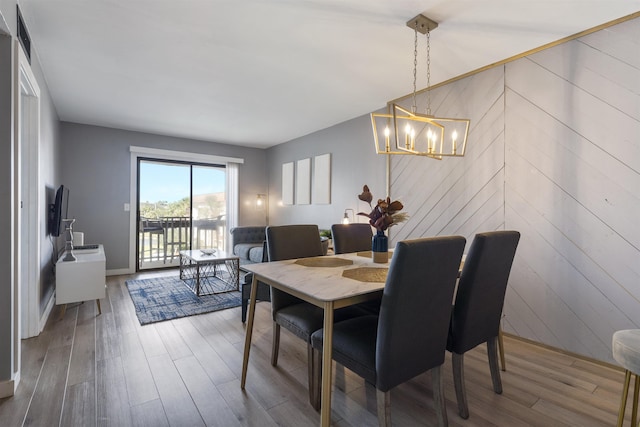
[(162, 239)]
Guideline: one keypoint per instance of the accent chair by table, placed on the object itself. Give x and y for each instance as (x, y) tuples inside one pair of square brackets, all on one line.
[(478, 306), (409, 336)]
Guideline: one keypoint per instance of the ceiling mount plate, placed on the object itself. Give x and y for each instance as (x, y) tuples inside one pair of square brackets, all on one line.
[(423, 24)]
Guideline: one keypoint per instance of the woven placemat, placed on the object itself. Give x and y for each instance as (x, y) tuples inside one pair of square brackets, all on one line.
[(367, 274), (324, 262), (366, 254)]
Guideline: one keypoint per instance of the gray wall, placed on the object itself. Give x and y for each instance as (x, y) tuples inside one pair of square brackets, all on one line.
[(95, 167), (8, 16), (353, 164), (553, 152), (50, 158)]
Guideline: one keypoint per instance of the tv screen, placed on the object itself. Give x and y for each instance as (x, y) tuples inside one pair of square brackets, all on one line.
[(59, 211)]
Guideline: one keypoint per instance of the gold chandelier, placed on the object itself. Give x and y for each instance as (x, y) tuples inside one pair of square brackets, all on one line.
[(401, 131)]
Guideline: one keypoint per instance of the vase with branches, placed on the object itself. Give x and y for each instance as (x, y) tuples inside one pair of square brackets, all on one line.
[(383, 215)]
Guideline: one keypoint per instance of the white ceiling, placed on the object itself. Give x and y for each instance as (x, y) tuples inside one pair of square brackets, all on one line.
[(261, 72)]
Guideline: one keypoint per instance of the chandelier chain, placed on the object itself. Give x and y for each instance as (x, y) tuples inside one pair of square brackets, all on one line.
[(428, 72), (415, 65)]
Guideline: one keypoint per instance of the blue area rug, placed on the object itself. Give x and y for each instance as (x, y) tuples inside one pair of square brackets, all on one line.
[(166, 298)]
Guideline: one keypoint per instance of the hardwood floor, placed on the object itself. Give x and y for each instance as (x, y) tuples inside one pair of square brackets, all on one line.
[(107, 370)]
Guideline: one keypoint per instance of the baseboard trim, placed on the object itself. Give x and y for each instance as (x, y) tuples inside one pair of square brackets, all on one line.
[(8, 388), (119, 271), (566, 352), (47, 312)]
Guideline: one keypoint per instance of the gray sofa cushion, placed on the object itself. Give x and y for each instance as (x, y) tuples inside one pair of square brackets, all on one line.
[(255, 253), (243, 250), (247, 243)]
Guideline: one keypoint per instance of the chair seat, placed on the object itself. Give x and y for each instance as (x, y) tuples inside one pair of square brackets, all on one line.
[(626, 349), (304, 319), (354, 345)]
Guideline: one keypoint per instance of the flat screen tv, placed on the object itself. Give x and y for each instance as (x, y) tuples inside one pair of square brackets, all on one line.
[(59, 211)]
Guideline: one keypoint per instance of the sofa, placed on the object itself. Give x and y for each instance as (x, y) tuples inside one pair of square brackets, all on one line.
[(249, 244)]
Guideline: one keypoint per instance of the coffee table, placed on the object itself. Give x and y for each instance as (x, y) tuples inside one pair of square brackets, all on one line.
[(207, 273)]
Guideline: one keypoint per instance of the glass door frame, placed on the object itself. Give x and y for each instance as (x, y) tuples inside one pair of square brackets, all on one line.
[(189, 219)]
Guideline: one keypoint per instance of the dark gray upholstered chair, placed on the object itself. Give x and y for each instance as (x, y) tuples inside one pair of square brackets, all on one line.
[(355, 238), (477, 309), (351, 238), (409, 336), (299, 317)]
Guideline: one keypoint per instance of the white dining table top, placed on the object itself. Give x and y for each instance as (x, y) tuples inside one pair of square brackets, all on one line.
[(319, 283)]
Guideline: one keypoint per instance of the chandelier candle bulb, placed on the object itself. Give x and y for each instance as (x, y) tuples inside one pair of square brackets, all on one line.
[(407, 131), (454, 135), (386, 138), (433, 141)]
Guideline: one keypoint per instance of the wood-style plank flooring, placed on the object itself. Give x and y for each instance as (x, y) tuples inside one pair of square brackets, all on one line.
[(107, 370)]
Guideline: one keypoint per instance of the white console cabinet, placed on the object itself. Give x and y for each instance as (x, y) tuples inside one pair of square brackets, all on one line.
[(83, 279)]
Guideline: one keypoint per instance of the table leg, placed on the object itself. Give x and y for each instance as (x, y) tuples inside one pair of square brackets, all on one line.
[(327, 351), (197, 278), (247, 339), (236, 270)]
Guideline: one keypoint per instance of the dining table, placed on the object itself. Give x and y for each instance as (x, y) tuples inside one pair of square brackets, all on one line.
[(329, 282)]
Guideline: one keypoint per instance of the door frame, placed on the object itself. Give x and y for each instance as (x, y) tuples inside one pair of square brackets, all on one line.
[(28, 203), (161, 154)]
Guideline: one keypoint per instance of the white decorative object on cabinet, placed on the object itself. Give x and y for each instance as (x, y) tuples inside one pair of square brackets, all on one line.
[(83, 279)]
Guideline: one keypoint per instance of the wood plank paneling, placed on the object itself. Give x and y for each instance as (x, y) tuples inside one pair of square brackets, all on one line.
[(553, 152), (572, 174)]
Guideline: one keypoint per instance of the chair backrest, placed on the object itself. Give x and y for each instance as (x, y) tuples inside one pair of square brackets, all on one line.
[(416, 308), (293, 241), (351, 237), (288, 242), (481, 289)]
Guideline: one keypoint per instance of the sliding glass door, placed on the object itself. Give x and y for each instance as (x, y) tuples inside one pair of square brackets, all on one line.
[(180, 206), (208, 209)]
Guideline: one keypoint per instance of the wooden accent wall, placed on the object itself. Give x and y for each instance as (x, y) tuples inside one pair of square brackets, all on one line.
[(554, 152)]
